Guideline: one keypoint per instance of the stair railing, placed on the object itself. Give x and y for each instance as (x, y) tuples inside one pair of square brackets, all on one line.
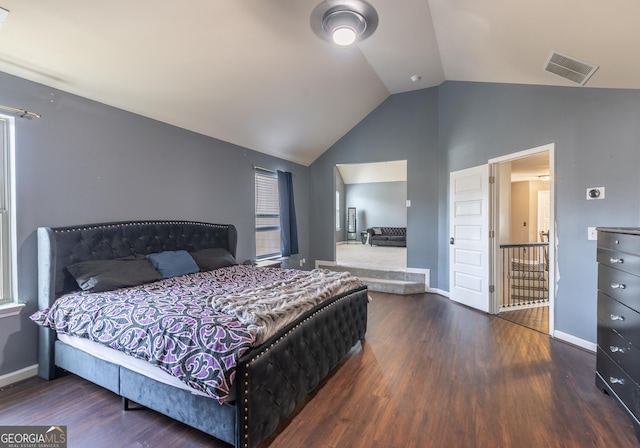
[(525, 275)]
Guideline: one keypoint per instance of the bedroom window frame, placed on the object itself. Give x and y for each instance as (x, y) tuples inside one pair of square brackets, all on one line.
[(8, 256), (267, 214)]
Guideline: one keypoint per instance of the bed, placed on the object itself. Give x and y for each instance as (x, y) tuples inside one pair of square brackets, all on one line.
[(270, 377)]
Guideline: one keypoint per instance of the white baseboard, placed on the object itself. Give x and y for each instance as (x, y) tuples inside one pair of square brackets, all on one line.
[(18, 375), (582, 343), (438, 291)]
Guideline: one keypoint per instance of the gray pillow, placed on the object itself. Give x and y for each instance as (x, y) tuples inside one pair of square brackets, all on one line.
[(106, 275), (210, 259), (172, 263)]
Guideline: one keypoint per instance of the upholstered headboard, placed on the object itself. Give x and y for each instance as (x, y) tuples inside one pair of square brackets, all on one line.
[(59, 247)]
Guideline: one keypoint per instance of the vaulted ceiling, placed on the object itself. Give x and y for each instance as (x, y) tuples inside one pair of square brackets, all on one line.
[(251, 72)]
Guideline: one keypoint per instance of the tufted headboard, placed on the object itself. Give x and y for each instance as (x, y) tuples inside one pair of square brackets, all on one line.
[(59, 247)]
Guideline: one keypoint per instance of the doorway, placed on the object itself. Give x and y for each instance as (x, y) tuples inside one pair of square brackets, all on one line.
[(502, 237), (523, 253), (369, 195)]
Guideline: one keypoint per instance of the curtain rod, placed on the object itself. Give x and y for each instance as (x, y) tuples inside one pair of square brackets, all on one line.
[(23, 113)]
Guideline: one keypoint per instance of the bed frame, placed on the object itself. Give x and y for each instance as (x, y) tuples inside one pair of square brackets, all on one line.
[(270, 379)]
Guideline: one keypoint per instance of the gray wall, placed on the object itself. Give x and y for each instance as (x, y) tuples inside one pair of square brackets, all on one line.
[(459, 125), (85, 162), (379, 204), (403, 127), (597, 144)]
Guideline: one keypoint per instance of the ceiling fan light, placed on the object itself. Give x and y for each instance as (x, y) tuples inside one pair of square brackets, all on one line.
[(343, 35), (344, 23)]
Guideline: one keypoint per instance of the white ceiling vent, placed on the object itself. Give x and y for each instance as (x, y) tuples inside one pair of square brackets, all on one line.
[(569, 68)]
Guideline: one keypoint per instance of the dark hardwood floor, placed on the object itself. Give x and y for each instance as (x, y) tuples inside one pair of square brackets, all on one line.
[(431, 373), (534, 318)]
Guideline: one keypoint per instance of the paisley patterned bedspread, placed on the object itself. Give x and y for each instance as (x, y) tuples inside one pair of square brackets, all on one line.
[(170, 323)]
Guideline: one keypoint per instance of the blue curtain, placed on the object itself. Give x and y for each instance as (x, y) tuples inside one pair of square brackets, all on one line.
[(288, 226)]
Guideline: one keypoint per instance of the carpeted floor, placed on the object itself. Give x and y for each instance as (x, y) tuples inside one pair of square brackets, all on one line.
[(363, 255)]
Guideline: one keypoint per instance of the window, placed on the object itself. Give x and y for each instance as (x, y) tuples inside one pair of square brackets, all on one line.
[(267, 215), (7, 223)]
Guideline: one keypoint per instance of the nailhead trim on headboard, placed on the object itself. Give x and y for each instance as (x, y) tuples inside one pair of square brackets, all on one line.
[(104, 241), (132, 223)]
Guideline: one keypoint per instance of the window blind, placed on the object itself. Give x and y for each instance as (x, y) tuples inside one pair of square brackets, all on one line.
[(267, 214)]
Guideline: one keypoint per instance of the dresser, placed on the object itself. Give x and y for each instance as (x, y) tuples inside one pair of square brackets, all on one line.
[(618, 357)]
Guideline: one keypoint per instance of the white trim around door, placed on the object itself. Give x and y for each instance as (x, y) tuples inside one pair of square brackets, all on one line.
[(553, 265)]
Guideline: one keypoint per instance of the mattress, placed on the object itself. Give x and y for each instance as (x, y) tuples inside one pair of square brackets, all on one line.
[(122, 359)]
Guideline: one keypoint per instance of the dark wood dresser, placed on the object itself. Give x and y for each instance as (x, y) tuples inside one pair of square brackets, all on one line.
[(618, 358)]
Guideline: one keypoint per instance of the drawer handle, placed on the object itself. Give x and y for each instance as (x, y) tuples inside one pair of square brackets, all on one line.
[(613, 380), (616, 260), (614, 349), (618, 285), (616, 317)]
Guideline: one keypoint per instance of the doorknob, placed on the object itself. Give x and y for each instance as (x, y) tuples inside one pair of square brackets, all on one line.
[(451, 240)]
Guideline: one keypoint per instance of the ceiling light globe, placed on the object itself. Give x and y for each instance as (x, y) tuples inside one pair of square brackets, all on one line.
[(344, 22), (344, 35)]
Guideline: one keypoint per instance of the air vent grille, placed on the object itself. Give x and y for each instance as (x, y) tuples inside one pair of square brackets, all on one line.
[(570, 68)]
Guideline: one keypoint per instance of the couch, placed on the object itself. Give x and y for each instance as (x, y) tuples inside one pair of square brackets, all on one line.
[(387, 236)]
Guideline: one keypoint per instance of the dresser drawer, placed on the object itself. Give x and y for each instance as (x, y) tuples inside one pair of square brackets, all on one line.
[(619, 382), (621, 351), (614, 315), (619, 242), (619, 260), (622, 286)]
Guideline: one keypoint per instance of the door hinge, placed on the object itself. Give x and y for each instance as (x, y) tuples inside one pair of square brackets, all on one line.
[(492, 234), (492, 179), (492, 288)]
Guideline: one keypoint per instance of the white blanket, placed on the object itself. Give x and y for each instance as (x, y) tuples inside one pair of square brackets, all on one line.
[(266, 310)]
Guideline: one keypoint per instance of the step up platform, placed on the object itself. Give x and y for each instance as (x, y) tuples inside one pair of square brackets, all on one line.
[(378, 280)]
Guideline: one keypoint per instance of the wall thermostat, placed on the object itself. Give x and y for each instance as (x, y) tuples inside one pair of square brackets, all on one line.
[(595, 193)]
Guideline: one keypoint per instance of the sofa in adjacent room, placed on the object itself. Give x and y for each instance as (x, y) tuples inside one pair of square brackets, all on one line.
[(388, 236)]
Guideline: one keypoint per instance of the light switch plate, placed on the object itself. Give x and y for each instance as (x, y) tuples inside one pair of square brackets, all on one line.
[(592, 233)]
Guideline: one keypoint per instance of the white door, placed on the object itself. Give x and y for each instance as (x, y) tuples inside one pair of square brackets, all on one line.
[(469, 237)]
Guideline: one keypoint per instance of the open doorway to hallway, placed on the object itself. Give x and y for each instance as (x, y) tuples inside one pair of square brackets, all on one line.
[(522, 254)]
